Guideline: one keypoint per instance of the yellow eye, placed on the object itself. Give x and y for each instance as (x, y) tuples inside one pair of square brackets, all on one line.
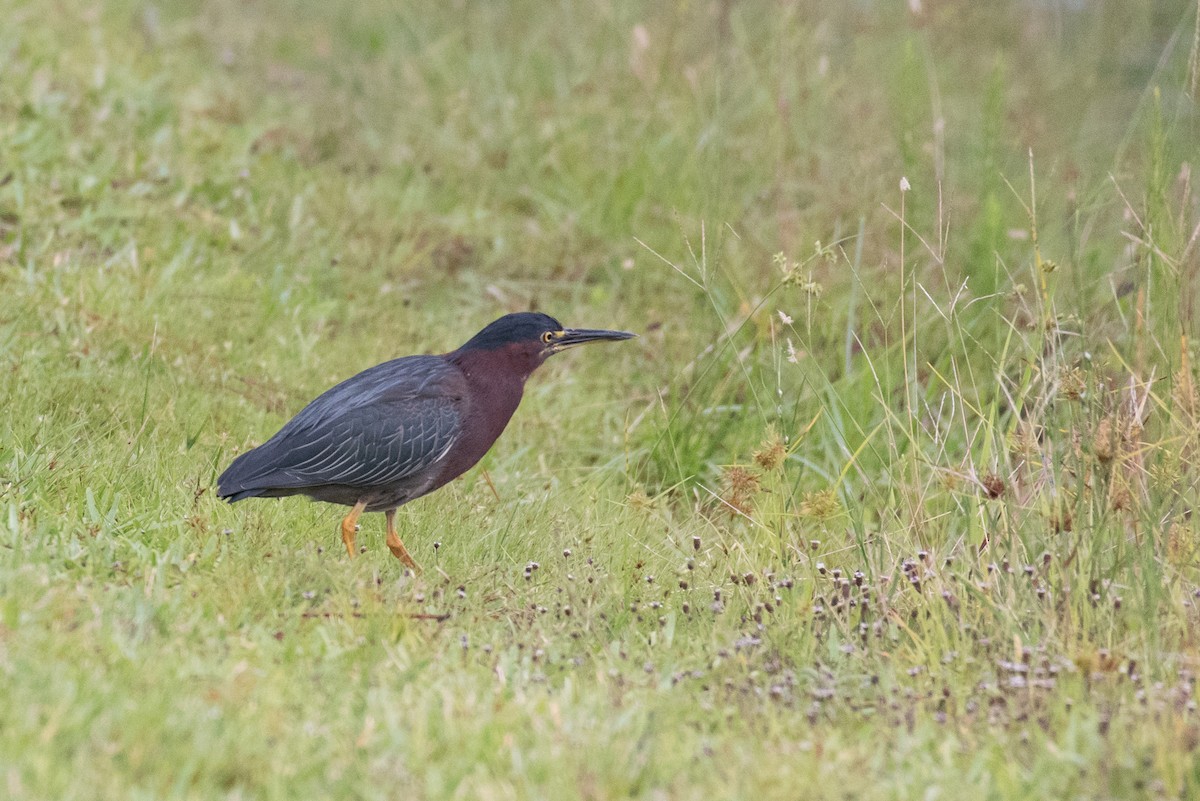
[(547, 336)]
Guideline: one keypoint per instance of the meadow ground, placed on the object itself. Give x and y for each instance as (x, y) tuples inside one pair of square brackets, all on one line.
[(893, 498)]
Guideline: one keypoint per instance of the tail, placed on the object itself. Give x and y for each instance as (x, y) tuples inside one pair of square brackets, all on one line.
[(239, 495), (240, 479)]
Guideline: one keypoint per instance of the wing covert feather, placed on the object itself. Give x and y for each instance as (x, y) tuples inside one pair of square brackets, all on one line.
[(380, 427)]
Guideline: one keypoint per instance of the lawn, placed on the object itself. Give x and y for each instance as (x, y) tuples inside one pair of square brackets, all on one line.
[(891, 499)]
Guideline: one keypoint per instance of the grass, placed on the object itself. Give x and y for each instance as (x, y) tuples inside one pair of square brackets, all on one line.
[(892, 499)]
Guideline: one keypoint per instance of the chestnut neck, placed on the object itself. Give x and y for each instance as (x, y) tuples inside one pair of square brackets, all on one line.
[(495, 380), (504, 366)]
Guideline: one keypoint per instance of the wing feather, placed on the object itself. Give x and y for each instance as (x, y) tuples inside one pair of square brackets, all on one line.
[(382, 426)]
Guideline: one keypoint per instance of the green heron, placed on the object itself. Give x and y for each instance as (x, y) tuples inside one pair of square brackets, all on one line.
[(403, 428)]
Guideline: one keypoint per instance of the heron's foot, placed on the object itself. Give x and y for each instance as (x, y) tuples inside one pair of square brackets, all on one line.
[(396, 546), (400, 552), (350, 526)]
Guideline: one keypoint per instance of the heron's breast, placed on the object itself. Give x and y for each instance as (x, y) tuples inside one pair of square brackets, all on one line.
[(491, 398)]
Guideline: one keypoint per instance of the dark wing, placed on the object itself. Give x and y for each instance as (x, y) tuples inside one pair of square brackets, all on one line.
[(382, 426)]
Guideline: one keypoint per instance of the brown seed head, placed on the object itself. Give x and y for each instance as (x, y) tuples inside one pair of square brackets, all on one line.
[(741, 485), (1104, 441), (1071, 383), (772, 453), (993, 485)]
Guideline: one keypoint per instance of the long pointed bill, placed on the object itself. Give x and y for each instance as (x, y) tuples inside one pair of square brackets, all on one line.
[(571, 337)]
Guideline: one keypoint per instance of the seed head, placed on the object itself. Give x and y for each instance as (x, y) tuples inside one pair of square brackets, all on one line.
[(741, 485), (993, 486), (821, 505), (1072, 384), (1105, 440), (771, 454)]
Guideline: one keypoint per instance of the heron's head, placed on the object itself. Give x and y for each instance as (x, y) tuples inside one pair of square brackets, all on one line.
[(527, 339)]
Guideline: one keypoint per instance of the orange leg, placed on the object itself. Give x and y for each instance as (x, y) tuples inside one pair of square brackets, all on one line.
[(350, 526), (393, 541)]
